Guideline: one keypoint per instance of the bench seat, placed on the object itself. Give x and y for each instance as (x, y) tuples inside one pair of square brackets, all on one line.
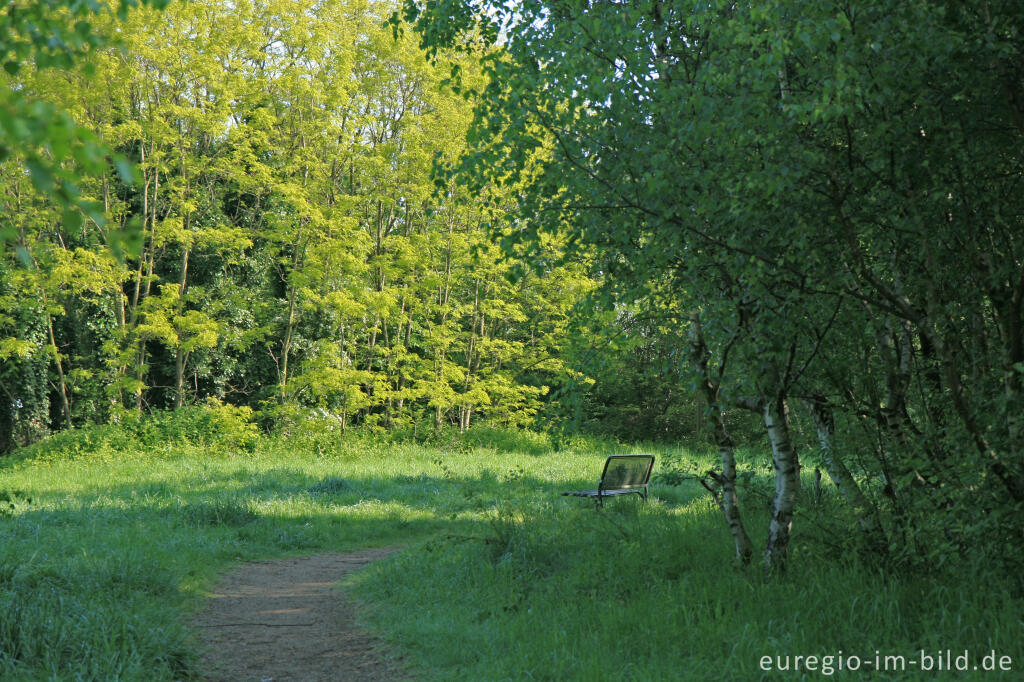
[(622, 475), (604, 493)]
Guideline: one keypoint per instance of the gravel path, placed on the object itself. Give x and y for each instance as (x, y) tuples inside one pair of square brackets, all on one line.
[(286, 620)]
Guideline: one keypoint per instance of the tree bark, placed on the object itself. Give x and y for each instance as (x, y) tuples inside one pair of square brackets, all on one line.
[(180, 356), (179, 379), (775, 413), (65, 404), (866, 513), (729, 500), (289, 329)]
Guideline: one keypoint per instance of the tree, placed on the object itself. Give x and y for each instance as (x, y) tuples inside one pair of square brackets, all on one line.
[(42, 35), (293, 252), (794, 173)]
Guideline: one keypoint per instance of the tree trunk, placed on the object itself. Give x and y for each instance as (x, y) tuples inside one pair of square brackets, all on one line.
[(787, 483), (729, 500), (140, 275), (286, 345), (180, 360), (140, 366), (65, 404), (867, 515), (181, 357)]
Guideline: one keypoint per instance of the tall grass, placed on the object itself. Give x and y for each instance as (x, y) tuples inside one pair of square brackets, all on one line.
[(651, 592), (109, 538)]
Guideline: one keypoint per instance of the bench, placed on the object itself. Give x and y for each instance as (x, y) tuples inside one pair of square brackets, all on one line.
[(622, 475)]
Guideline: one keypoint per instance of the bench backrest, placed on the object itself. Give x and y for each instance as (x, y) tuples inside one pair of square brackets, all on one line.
[(626, 471)]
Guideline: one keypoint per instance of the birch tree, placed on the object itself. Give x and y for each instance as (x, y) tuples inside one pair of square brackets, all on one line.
[(822, 158)]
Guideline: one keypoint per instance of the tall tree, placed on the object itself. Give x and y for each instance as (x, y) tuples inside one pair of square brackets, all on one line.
[(793, 160)]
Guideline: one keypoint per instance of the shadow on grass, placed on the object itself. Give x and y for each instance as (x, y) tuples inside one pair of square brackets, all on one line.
[(93, 582)]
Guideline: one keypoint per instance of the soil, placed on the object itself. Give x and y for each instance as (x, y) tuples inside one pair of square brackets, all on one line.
[(286, 619)]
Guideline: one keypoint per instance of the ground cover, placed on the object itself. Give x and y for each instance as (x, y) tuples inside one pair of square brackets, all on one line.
[(108, 543)]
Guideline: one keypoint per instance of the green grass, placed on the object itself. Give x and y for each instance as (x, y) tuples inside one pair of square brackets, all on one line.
[(105, 551)]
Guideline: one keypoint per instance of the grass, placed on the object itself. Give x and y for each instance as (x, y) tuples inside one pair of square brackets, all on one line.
[(107, 544)]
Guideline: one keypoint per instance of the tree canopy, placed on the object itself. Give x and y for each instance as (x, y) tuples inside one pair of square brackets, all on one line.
[(831, 190), (293, 252)]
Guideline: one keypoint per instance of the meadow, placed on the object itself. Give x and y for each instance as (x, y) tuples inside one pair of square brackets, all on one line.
[(110, 536)]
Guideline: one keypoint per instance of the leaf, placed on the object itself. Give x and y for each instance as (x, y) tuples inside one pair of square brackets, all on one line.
[(25, 257), (42, 175), (72, 219), (126, 170)]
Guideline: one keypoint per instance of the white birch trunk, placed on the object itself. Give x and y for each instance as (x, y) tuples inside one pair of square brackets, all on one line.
[(787, 483)]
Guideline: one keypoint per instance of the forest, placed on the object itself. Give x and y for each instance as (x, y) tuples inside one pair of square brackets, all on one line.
[(779, 244)]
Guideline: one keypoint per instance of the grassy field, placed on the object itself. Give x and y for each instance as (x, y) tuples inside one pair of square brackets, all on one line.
[(107, 543)]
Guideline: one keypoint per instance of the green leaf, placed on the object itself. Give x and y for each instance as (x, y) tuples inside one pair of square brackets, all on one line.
[(42, 175), (126, 170), (25, 257), (72, 219)]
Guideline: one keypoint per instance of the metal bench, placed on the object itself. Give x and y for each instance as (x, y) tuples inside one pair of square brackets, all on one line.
[(622, 475)]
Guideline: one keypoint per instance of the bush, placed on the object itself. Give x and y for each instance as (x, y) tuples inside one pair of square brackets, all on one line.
[(212, 424)]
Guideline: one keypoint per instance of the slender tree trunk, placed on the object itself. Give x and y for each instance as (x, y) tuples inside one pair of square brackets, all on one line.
[(181, 357), (405, 348), (180, 360), (140, 366), (120, 370), (866, 513), (62, 386), (289, 327), (140, 373), (730, 503), (787, 483), (286, 344), (465, 409), (729, 500), (137, 295)]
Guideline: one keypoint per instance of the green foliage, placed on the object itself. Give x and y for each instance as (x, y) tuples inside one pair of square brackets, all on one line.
[(13, 501), (208, 425), (292, 249), (43, 36), (211, 424), (831, 188)]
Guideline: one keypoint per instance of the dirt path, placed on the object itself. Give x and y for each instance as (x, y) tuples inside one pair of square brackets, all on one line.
[(285, 620)]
